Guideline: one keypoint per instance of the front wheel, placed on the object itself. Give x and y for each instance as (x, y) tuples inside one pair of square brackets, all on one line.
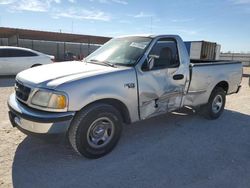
[(95, 131), (215, 106)]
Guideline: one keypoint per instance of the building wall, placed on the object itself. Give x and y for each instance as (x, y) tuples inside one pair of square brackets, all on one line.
[(3, 42), (244, 58)]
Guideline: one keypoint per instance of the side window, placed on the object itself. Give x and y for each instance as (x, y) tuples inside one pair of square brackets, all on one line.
[(16, 53), (24, 53), (21, 53), (166, 55), (4, 53)]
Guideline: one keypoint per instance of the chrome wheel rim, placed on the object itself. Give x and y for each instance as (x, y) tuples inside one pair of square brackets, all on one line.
[(100, 132), (217, 104)]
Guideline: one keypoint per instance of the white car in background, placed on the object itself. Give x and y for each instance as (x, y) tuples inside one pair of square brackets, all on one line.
[(15, 59)]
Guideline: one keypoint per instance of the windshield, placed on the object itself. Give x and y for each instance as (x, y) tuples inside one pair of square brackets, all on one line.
[(120, 51)]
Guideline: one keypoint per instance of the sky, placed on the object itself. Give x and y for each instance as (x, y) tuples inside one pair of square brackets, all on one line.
[(226, 22)]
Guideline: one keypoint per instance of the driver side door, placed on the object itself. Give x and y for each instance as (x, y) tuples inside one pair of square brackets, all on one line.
[(161, 88)]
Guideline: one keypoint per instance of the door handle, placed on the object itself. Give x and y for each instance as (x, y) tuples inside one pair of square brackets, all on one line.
[(178, 77)]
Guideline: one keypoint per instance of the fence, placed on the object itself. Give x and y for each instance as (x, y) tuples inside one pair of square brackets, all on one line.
[(244, 58), (58, 49)]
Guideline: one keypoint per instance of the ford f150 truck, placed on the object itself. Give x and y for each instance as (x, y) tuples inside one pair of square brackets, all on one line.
[(128, 79)]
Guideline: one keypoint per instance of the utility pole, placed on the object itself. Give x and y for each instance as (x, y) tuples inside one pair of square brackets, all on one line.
[(151, 20), (72, 26)]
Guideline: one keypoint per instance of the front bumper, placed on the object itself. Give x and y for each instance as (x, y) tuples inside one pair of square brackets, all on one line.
[(30, 120)]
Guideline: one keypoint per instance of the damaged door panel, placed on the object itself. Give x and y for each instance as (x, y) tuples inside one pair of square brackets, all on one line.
[(159, 92)]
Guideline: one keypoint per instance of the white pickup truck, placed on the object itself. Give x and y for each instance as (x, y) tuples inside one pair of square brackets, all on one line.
[(126, 80)]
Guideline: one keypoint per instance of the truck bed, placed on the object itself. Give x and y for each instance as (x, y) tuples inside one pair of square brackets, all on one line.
[(194, 62), (205, 75)]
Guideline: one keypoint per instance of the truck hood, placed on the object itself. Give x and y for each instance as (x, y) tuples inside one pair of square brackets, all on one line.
[(54, 74)]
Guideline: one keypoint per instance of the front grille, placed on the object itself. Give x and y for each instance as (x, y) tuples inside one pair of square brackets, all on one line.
[(22, 92)]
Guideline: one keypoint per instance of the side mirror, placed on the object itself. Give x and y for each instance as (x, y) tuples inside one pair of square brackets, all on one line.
[(151, 61)]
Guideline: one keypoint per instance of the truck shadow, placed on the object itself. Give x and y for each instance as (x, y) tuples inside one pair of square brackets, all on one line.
[(157, 151)]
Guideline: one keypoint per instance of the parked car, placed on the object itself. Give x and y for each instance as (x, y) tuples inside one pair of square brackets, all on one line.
[(16, 59), (127, 80)]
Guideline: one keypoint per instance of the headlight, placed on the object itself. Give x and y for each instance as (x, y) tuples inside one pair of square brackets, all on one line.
[(50, 100)]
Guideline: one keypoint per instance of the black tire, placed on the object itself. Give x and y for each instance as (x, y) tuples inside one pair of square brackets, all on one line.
[(83, 127), (210, 111)]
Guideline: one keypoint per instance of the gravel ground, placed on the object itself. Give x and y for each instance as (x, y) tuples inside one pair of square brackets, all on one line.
[(173, 150)]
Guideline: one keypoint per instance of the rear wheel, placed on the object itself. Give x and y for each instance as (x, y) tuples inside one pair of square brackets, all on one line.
[(215, 106), (95, 131)]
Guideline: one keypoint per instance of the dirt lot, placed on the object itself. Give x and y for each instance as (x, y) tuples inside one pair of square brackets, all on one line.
[(174, 150)]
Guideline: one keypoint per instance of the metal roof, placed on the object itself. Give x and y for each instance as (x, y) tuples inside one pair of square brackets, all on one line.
[(6, 32)]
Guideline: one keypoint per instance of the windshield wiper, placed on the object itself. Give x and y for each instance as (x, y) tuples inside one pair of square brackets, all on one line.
[(102, 62), (124, 65)]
